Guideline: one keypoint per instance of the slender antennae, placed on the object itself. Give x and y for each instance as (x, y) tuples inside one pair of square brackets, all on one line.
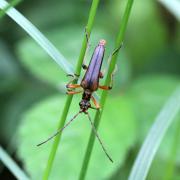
[(60, 130), (101, 143)]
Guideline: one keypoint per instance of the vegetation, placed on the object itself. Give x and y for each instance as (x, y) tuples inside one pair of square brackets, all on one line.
[(33, 99)]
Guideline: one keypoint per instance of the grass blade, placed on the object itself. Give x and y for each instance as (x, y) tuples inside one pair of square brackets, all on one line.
[(38, 37), (11, 165), (91, 18), (11, 4), (118, 43), (171, 164), (157, 132), (173, 6)]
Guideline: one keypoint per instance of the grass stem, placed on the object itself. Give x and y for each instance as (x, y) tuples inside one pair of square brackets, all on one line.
[(61, 123), (118, 43)]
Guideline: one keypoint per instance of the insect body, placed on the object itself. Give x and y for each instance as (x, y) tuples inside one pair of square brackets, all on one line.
[(90, 81), (89, 84)]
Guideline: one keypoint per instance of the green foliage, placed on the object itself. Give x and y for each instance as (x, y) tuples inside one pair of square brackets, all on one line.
[(13, 3), (41, 121), (149, 94), (40, 64), (11, 165), (148, 72), (9, 72), (140, 104)]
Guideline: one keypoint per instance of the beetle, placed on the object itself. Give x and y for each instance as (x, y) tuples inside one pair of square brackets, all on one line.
[(89, 84), (90, 81)]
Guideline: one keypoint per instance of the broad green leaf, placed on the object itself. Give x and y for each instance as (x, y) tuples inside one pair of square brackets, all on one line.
[(146, 33), (12, 109), (117, 131), (54, 13), (38, 37), (68, 40), (149, 94), (9, 72), (155, 136)]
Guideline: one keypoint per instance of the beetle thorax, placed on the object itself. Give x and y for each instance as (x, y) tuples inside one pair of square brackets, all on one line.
[(85, 102)]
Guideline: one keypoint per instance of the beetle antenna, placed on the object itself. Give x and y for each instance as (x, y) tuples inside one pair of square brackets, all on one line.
[(60, 130), (101, 143)]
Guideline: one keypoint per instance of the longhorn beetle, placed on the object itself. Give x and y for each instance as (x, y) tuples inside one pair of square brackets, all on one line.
[(89, 84)]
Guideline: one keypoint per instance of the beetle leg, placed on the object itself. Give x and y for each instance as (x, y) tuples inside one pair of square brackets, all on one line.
[(94, 108), (73, 92), (74, 77), (95, 102), (73, 85), (101, 75), (111, 83), (109, 58), (117, 49), (105, 87)]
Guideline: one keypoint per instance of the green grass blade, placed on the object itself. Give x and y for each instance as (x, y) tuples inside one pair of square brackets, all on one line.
[(69, 98), (172, 6), (118, 43), (11, 165), (171, 164), (157, 132), (38, 37), (11, 4)]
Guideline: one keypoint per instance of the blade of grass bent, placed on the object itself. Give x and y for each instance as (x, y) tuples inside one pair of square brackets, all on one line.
[(12, 166), (171, 164), (11, 4), (172, 6), (61, 123), (38, 37), (154, 138), (118, 43)]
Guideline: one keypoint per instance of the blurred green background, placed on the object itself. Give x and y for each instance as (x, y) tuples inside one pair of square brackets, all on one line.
[(32, 91)]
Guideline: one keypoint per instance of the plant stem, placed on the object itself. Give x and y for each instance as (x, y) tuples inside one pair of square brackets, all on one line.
[(118, 43), (61, 123)]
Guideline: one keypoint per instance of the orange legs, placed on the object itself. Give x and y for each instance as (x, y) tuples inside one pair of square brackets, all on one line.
[(73, 92), (70, 86), (73, 86), (95, 102), (105, 87)]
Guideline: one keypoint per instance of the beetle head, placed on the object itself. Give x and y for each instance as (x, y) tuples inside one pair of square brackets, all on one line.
[(84, 105)]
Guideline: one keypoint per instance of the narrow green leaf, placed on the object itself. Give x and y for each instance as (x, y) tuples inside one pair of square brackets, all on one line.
[(38, 37), (11, 4), (173, 6), (171, 164), (11, 165), (69, 98), (118, 43), (41, 119), (157, 132)]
